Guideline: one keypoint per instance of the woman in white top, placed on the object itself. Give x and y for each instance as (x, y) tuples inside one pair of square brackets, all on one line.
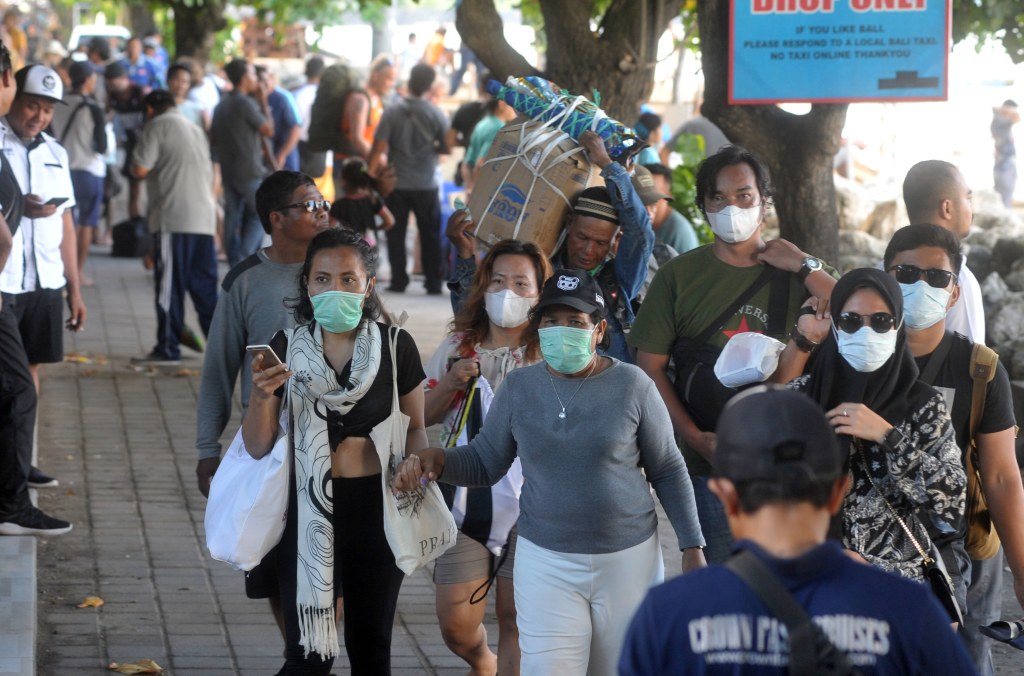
[(487, 340)]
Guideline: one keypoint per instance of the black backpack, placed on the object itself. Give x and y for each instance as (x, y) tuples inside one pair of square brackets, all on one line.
[(338, 81)]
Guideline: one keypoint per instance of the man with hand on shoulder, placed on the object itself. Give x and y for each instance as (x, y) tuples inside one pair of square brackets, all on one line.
[(781, 477), (698, 300)]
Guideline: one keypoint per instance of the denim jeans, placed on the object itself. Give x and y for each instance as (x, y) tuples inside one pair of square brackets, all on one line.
[(243, 233), (713, 524)]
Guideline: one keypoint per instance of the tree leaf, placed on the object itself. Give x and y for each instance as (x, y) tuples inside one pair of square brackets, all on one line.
[(91, 602)]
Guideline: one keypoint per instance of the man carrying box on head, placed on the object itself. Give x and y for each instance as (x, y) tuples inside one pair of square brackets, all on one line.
[(608, 233)]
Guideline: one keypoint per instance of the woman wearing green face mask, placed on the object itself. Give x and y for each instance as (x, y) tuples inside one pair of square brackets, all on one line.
[(340, 376), (592, 436)]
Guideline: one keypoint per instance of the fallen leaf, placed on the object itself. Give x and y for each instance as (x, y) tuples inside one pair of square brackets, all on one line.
[(91, 602), (88, 372), (138, 667), (71, 491)]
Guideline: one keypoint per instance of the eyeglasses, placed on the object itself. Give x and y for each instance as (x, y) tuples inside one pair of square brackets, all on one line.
[(909, 274), (310, 206), (851, 322)]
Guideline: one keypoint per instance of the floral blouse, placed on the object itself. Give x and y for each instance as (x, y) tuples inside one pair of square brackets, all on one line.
[(922, 478), (494, 366)]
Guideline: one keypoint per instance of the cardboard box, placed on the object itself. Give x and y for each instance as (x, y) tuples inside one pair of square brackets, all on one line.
[(528, 181)]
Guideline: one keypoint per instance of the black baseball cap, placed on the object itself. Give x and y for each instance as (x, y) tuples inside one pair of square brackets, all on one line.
[(766, 427), (575, 288)]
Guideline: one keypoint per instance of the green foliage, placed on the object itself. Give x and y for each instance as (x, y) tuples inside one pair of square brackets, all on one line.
[(1001, 20), (684, 184)]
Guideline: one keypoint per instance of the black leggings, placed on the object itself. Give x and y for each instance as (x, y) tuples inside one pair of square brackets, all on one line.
[(370, 582)]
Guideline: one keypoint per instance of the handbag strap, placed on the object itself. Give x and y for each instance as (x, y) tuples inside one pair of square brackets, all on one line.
[(729, 311), (903, 524), (392, 343), (809, 646)]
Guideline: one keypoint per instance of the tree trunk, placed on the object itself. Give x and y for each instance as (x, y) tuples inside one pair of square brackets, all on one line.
[(618, 60), (798, 149), (140, 18), (195, 27)]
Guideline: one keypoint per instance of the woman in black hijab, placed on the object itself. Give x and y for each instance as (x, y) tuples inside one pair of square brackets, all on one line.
[(865, 378)]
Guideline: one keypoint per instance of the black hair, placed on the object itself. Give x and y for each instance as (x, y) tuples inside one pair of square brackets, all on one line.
[(660, 170), (99, 46), (925, 234), (647, 123), (421, 77), (5, 58), (355, 174), (275, 191), (792, 483), (159, 100), (334, 238), (314, 67), (926, 185), (728, 156), (491, 106), (236, 70), (180, 67), (537, 314)]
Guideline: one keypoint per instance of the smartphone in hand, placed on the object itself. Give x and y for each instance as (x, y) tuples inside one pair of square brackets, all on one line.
[(55, 201), (270, 357)]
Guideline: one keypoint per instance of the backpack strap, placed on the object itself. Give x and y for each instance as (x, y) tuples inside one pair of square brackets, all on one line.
[(84, 103), (983, 370), (729, 311), (937, 359), (811, 652)]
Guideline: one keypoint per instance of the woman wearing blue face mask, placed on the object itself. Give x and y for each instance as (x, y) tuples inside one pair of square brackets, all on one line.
[(340, 374), (488, 340), (587, 430), (903, 452)]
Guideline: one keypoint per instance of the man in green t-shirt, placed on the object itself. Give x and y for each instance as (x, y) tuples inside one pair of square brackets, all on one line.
[(693, 290)]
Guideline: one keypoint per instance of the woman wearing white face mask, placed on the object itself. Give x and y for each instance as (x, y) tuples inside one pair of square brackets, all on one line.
[(488, 339), (903, 453), (593, 438)]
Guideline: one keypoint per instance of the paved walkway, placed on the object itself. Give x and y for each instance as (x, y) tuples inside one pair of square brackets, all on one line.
[(122, 443)]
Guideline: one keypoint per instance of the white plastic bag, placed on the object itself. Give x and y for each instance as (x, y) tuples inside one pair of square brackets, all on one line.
[(248, 505), (418, 525), (748, 358)]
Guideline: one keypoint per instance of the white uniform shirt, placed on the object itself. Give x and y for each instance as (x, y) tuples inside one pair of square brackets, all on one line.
[(967, 317), (42, 169)]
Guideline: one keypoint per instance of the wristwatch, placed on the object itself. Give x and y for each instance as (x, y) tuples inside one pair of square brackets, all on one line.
[(809, 265)]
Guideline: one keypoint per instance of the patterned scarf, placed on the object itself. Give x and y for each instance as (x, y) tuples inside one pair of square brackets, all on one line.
[(316, 393)]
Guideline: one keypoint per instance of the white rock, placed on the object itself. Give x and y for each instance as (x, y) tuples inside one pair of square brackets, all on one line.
[(993, 291)]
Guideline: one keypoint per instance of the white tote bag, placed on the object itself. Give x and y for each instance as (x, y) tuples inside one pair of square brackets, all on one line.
[(418, 525), (248, 505)]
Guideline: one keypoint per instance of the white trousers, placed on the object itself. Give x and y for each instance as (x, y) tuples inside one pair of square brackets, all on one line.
[(573, 610)]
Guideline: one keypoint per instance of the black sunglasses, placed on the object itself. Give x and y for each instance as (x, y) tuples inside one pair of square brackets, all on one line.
[(309, 205), (851, 322), (909, 274)]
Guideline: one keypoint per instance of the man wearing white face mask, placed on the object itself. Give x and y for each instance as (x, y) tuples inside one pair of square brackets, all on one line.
[(926, 259), (698, 300), (936, 192)]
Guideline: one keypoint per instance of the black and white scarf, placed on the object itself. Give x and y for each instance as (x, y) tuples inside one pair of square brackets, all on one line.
[(316, 391)]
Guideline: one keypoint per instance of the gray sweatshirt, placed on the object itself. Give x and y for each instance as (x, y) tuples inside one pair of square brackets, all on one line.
[(250, 310), (584, 491)]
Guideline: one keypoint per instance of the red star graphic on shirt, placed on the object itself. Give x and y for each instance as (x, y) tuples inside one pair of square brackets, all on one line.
[(742, 328)]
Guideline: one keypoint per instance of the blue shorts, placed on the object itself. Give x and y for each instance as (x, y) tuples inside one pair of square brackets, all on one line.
[(88, 197)]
